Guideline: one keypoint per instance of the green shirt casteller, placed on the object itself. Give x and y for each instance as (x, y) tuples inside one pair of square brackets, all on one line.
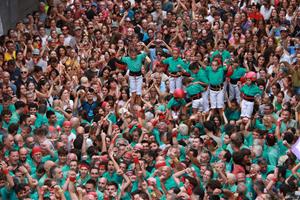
[(225, 55), (136, 64), (251, 90), (176, 103), (173, 64), (215, 77), (201, 76), (238, 73)]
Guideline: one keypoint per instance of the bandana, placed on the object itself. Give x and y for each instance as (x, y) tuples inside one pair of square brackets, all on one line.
[(160, 164)]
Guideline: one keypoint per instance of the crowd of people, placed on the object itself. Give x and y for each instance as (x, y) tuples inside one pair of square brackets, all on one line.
[(151, 99)]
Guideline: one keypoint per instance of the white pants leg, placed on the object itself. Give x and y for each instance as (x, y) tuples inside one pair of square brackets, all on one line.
[(247, 108), (234, 92), (135, 84), (198, 104), (172, 84), (225, 89), (139, 85), (178, 82), (216, 99), (231, 92), (205, 96), (237, 93), (175, 82)]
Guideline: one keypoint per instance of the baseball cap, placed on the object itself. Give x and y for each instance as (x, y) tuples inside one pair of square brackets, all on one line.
[(114, 25), (283, 29), (36, 52), (94, 4), (77, 28)]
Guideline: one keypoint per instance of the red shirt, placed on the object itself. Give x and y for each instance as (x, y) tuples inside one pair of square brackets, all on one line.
[(256, 15)]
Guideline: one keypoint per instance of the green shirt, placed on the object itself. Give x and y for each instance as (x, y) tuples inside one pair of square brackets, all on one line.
[(176, 103), (216, 77), (7, 194), (173, 64), (194, 89), (11, 108), (114, 177), (15, 118), (199, 76), (225, 55), (156, 134), (169, 184), (251, 90), (238, 73), (232, 114), (40, 120), (271, 154), (136, 64)]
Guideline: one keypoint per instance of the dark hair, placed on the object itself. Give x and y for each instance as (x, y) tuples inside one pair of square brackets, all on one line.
[(210, 126), (238, 157), (52, 171), (289, 137), (227, 155), (271, 139), (285, 189), (142, 194), (6, 112), (37, 69), (49, 113), (13, 128), (92, 181), (41, 83), (214, 184), (23, 118), (113, 183), (19, 104), (194, 65)]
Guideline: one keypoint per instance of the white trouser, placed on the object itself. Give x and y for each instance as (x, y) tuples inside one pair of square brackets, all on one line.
[(247, 108), (175, 82), (216, 99), (234, 92), (198, 104), (202, 104), (135, 84)]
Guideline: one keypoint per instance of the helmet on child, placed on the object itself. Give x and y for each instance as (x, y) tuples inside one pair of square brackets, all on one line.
[(251, 75), (179, 93)]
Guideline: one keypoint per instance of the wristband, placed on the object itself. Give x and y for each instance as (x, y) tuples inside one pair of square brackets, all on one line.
[(174, 134), (5, 171), (72, 179), (136, 160)]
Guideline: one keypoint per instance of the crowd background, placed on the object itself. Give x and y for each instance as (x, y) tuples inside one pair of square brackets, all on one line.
[(143, 99)]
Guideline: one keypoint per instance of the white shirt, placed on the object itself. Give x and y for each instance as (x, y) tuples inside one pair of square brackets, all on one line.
[(266, 13)]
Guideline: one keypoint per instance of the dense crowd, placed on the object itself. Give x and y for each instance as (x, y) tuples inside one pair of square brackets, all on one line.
[(144, 99)]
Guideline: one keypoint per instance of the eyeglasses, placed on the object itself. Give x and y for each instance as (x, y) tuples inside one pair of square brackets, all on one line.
[(24, 72), (90, 27)]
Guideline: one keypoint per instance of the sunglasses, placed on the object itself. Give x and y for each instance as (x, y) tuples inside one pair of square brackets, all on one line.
[(23, 72)]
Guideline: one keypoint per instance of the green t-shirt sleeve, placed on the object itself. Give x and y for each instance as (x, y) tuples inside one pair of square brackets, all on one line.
[(143, 56), (124, 59), (166, 61)]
